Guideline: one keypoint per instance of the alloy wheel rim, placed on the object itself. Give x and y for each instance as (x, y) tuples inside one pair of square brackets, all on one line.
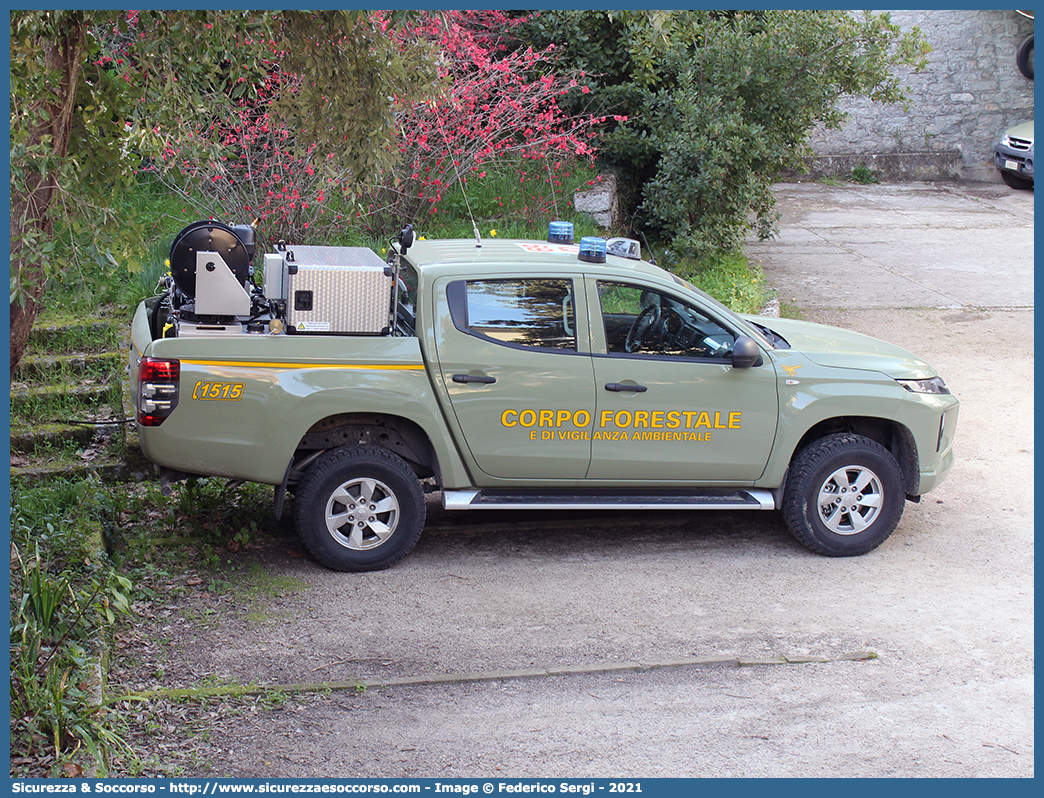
[(362, 514), (850, 500)]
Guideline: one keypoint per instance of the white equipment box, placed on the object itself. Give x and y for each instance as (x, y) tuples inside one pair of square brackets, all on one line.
[(334, 290)]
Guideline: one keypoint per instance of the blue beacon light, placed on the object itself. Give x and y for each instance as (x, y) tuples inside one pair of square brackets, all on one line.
[(560, 232), (592, 250)]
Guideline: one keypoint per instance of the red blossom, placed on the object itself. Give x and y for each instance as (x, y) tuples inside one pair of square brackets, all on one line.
[(501, 104)]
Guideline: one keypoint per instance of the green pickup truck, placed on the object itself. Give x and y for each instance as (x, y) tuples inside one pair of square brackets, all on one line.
[(512, 374)]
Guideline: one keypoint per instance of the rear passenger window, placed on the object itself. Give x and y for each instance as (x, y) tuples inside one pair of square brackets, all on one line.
[(533, 313)]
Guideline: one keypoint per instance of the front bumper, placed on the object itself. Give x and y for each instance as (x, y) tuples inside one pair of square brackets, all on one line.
[(932, 420), (1009, 159)]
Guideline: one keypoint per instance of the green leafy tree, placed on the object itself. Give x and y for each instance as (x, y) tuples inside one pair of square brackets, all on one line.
[(720, 103), (94, 93)]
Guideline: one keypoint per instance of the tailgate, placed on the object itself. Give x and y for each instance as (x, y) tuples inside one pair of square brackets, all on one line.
[(141, 341)]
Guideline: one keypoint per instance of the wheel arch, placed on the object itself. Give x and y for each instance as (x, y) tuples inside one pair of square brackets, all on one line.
[(398, 435), (894, 437)]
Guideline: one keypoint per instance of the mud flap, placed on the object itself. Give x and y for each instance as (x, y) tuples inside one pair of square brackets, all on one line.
[(280, 491)]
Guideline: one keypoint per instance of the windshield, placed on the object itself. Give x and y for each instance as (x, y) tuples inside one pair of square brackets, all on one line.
[(760, 334)]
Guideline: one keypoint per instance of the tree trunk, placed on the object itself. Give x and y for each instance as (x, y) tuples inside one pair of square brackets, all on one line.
[(22, 319), (32, 197)]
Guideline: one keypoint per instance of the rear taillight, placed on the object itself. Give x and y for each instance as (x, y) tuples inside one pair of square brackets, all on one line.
[(158, 384)]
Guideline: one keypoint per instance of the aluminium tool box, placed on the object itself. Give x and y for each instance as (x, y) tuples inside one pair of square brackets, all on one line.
[(336, 291)]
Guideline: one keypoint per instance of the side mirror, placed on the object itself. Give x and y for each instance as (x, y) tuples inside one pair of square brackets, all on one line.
[(406, 238), (745, 353)]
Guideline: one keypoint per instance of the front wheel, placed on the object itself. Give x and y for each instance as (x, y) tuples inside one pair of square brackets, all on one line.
[(844, 496), (360, 509), (1013, 180)]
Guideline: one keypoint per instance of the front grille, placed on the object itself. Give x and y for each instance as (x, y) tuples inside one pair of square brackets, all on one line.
[(1019, 144)]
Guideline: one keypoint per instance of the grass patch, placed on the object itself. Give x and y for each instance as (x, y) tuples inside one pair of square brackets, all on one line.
[(65, 598), (516, 200), (863, 174), (70, 379), (256, 587), (59, 447), (731, 279), (86, 552), (62, 330), (64, 400), (84, 286)]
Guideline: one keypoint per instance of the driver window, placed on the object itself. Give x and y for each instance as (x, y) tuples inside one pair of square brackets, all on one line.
[(642, 322)]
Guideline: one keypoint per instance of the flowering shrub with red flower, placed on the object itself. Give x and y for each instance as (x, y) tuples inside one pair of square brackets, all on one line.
[(498, 104), (249, 167), (500, 109)]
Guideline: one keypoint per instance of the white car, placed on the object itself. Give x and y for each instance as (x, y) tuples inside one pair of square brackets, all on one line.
[(1013, 155)]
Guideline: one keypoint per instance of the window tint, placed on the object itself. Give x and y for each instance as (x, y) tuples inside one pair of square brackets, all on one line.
[(638, 321), (535, 313)]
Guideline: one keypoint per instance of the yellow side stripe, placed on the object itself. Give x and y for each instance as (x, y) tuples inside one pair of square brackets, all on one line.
[(249, 364)]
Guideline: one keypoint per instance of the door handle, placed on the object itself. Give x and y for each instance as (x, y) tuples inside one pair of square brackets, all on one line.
[(619, 387), (466, 378)]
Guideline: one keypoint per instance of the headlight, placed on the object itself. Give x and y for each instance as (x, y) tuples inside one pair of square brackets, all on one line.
[(934, 385)]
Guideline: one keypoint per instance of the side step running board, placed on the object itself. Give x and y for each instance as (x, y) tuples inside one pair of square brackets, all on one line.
[(606, 499)]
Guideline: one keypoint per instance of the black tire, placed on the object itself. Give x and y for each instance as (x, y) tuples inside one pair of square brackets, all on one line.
[(843, 526), (1015, 181), (1024, 57), (330, 524)]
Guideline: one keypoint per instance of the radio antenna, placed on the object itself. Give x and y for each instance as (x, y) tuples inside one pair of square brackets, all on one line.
[(474, 227), (460, 182), (551, 185), (652, 257)]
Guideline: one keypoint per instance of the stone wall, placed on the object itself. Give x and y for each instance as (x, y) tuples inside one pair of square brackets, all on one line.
[(969, 94)]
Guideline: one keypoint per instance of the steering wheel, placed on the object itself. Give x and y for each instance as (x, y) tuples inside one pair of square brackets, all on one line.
[(648, 321)]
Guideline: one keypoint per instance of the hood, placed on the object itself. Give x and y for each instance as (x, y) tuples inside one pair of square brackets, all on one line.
[(837, 348), (1023, 131)]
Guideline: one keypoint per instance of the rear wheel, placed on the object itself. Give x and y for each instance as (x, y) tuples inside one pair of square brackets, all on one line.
[(844, 496), (360, 509)]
